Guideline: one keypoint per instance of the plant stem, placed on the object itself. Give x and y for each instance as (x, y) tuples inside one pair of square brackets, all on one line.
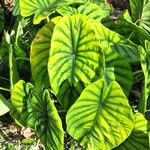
[(4, 89)]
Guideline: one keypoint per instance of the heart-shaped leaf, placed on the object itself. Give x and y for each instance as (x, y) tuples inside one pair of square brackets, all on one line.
[(21, 100), (48, 123), (39, 55), (138, 140), (116, 42), (101, 118), (118, 69), (90, 9), (75, 53), (41, 9)]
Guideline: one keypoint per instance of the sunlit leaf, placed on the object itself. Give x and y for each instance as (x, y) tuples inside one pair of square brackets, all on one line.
[(101, 118), (41, 9), (75, 53), (138, 139), (39, 55), (116, 42), (90, 9), (3, 107), (21, 100)]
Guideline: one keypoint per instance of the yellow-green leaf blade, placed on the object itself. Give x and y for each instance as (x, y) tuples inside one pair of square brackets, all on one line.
[(101, 118)]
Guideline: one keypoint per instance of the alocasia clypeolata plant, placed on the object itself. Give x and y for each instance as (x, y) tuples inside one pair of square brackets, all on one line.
[(84, 64)]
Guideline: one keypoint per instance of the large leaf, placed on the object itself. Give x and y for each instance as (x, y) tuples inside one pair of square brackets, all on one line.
[(89, 9), (3, 107), (138, 140), (101, 118), (75, 53), (41, 9), (48, 123), (116, 42), (21, 100), (145, 63), (39, 55), (118, 69), (127, 29), (145, 18)]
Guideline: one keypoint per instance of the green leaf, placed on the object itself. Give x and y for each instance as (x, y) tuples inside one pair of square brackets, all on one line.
[(1, 19), (138, 139), (101, 118), (116, 42), (118, 69), (127, 29), (145, 17), (41, 9), (39, 55), (16, 8), (136, 9), (13, 72), (145, 63), (3, 107), (75, 53), (68, 94), (48, 123), (21, 100), (89, 9)]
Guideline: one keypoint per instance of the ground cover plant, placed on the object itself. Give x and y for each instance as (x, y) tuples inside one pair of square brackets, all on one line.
[(76, 73)]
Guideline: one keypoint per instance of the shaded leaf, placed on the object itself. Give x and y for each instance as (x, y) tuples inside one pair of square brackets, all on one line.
[(47, 122)]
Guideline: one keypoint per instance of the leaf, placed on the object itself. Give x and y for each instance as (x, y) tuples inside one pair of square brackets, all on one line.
[(119, 70), (16, 8), (136, 9), (145, 63), (3, 107), (68, 94), (48, 123), (127, 29), (89, 9), (1, 19), (21, 100), (145, 17), (74, 54), (116, 42), (139, 135), (39, 55), (101, 118), (13, 72), (41, 9)]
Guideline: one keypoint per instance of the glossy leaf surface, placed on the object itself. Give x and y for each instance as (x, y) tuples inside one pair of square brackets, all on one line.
[(101, 118), (39, 55), (139, 136), (74, 54)]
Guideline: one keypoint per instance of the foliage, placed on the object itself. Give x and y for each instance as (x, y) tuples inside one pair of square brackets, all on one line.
[(71, 74)]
